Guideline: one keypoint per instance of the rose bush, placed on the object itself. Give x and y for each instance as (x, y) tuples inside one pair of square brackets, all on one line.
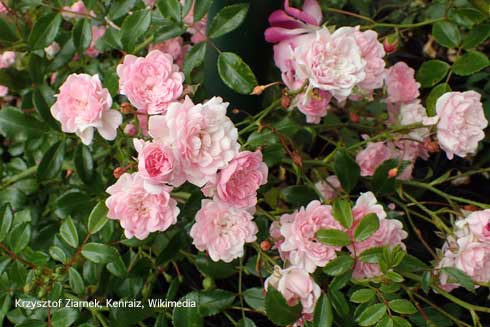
[(340, 179)]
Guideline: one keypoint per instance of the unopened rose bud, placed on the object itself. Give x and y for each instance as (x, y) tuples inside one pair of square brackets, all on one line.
[(355, 118), (432, 146), (235, 111), (119, 171), (285, 101), (390, 43), (126, 108), (265, 245), (393, 172), (130, 130), (69, 172), (258, 90)]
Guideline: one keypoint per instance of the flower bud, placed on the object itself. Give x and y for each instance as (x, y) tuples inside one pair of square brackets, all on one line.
[(258, 90), (126, 108), (130, 130), (265, 245), (285, 101), (119, 171), (393, 172), (355, 118), (390, 43)]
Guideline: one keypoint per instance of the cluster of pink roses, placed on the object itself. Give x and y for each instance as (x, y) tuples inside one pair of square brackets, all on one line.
[(468, 249), (295, 239)]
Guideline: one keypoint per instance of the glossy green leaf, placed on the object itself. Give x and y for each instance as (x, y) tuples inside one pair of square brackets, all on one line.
[(402, 306), (342, 212), (470, 63), (76, 281), (278, 310), (19, 126), (82, 34), (476, 36), (346, 170), (64, 317), (50, 165), (363, 295), (214, 301), (99, 253), (84, 164), (446, 34), (194, 58), (43, 109), (19, 237), (227, 19), (298, 194), (368, 225), (435, 94), (170, 9), (188, 316), (63, 56), (44, 31), (6, 215), (339, 265), (372, 314), (431, 72), (120, 8), (69, 233), (323, 314), (134, 27), (201, 7), (460, 277), (7, 31), (333, 237), (235, 73), (255, 298), (466, 17)]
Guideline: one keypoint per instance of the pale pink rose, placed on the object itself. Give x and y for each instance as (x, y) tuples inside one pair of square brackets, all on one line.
[(83, 105), (372, 52), (296, 286), (277, 237), (332, 62), (238, 182), (299, 232), (372, 157), (222, 230), (408, 150), (201, 135), (367, 203), (3, 8), (197, 29), (174, 47), (291, 22), (314, 105), (414, 113), (401, 84), (7, 59), (150, 3), (158, 165), (3, 90), (97, 33), (330, 187), (139, 212), (468, 255), (461, 123), (130, 130), (77, 9), (479, 224), (52, 49), (151, 83)]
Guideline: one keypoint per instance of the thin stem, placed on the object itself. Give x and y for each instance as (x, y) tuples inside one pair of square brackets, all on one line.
[(16, 257), (23, 174)]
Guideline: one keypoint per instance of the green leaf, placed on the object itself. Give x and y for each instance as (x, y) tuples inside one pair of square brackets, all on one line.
[(42, 108), (342, 212), (394, 277), (435, 94), (65, 55), (339, 303), (99, 253), (57, 254), (466, 17), (371, 255), (323, 315), (69, 232), (363, 295), (215, 301), (246, 323), (111, 39), (227, 19), (402, 306), (50, 165), (201, 7), (169, 30), (82, 35), (44, 31), (255, 298), (470, 63), (216, 270), (400, 322), (84, 164), (381, 184), (333, 237), (367, 227), (19, 237), (36, 68), (188, 316), (372, 314), (386, 321), (6, 215), (133, 27), (7, 31), (97, 218), (460, 277), (64, 317), (346, 170), (170, 9), (76, 281), (298, 194), (117, 267), (278, 310), (17, 125), (476, 36), (120, 8), (194, 58), (235, 73), (431, 72), (446, 34), (339, 265)]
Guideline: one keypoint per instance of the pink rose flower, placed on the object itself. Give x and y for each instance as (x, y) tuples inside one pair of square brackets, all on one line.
[(401, 84), (461, 123), (7, 59), (158, 165), (372, 157), (372, 52), (197, 29), (139, 212), (299, 229), (479, 224), (296, 286), (174, 47), (77, 9), (367, 203), (330, 187), (291, 22), (201, 136), (97, 33), (332, 62), (3, 8), (413, 113), (130, 130), (3, 90), (314, 105), (222, 230), (151, 83), (238, 182), (83, 105)]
